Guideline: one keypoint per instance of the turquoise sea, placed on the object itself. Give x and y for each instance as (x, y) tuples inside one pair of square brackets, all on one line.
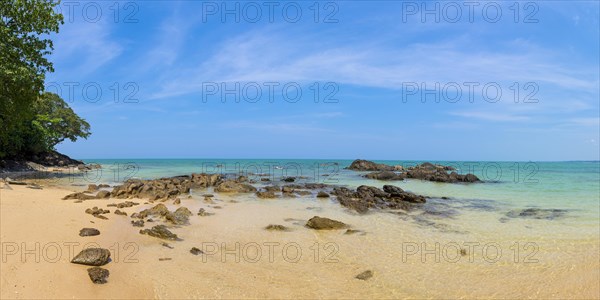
[(572, 186)]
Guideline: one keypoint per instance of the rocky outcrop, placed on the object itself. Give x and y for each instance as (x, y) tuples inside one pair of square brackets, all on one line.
[(164, 188), (161, 232), (319, 223), (92, 257), (179, 217), (233, 186), (425, 171), (366, 197), (386, 175), (266, 194), (78, 196), (365, 165)]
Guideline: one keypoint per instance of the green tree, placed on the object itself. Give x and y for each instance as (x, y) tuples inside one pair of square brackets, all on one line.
[(25, 26), (54, 122)]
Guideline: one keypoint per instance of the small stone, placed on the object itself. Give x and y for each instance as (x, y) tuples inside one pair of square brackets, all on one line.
[(164, 258), (166, 245), (196, 251), (89, 232), (98, 275), (121, 213), (177, 201), (364, 275), (138, 223)]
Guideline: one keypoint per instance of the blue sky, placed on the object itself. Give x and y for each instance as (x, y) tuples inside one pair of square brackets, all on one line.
[(372, 60)]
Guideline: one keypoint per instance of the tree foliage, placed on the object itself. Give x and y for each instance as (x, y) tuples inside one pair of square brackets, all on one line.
[(30, 120)]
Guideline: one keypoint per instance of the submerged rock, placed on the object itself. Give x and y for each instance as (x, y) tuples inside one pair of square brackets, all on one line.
[(98, 275), (92, 257), (276, 227), (537, 213), (161, 232), (319, 223), (89, 232)]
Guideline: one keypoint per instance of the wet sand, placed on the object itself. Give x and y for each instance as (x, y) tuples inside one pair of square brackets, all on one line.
[(299, 263)]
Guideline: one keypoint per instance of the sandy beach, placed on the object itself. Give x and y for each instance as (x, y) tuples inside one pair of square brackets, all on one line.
[(298, 263)]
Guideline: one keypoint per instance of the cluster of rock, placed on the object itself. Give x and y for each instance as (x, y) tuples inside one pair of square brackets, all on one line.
[(425, 171), (178, 217), (366, 197), (94, 257), (164, 188), (292, 190)]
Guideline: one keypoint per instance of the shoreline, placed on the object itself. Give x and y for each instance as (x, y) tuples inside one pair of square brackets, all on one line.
[(566, 266)]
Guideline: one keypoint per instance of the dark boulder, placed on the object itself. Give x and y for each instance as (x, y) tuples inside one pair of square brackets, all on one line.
[(365, 165), (92, 257), (89, 232), (319, 223)]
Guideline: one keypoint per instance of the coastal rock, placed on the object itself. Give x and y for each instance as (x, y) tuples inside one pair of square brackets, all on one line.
[(92, 188), (95, 211), (385, 175), (78, 196), (98, 275), (315, 186), (203, 213), (121, 213), (364, 275), (179, 217), (365, 165), (177, 201), (92, 257), (89, 232), (266, 194), (319, 223), (231, 186), (158, 210), (161, 232), (366, 197), (138, 223), (289, 179), (322, 194), (103, 195)]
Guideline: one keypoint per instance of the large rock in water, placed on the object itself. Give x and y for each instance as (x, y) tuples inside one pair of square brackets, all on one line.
[(232, 186), (366, 197), (365, 165), (319, 223), (98, 275), (92, 257)]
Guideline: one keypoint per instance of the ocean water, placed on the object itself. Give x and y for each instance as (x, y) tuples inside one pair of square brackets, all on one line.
[(572, 186)]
